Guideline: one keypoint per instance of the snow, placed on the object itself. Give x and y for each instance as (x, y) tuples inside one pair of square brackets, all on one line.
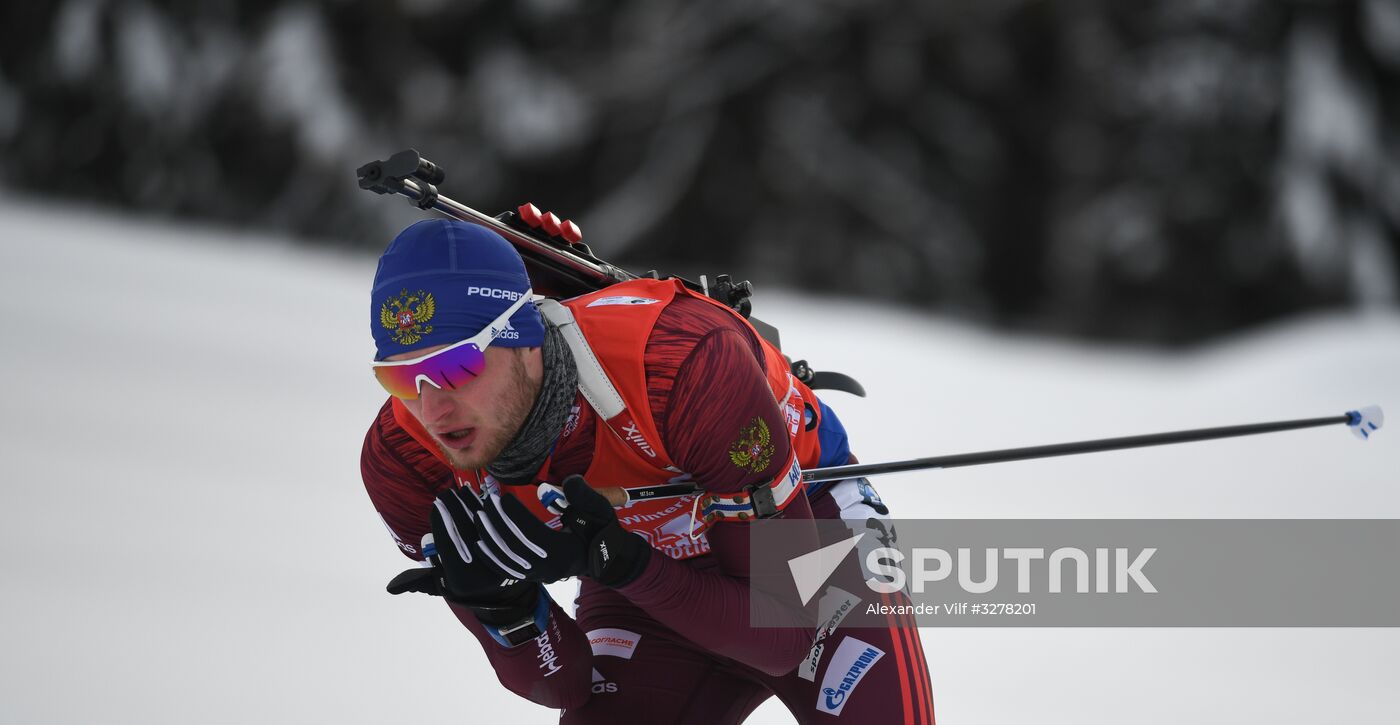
[(299, 82), (170, 558), (76, 38), (552, 117), (146, 57), (1332, 127)]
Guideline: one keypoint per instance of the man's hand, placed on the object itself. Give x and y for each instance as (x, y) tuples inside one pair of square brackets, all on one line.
[(615, 556), (459, 570), (520, 546)]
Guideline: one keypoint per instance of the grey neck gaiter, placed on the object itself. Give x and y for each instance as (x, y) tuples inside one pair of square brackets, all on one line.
[(524, 455)]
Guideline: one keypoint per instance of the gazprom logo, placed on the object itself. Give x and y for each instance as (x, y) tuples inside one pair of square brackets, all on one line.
[(853, 659), (494, 293)]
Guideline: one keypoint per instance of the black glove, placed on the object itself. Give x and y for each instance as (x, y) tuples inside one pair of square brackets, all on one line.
[(520, 546), (615, 556), (459, 571)]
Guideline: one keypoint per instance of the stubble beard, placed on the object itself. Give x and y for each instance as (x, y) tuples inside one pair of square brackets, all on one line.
[(514, 408)]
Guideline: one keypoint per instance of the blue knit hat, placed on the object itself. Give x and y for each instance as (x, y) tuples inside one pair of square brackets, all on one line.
[(441, 281)]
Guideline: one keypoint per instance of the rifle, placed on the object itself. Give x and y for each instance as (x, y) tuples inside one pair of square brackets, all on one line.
[(556, 258)]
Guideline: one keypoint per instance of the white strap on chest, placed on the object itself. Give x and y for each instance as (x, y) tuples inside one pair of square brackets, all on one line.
[(758, 502), (592, 380)]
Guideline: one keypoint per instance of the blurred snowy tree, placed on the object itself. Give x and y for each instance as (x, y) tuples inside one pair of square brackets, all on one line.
[(1163, 170)]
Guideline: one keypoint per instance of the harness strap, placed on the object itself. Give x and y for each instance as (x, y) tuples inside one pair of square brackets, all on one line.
[(755, 502), (592, 380)]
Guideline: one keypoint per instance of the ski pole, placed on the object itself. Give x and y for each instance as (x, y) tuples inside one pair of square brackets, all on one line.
[(1362, 423)]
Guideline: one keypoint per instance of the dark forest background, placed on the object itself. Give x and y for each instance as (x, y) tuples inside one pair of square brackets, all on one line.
[(1156, 171)]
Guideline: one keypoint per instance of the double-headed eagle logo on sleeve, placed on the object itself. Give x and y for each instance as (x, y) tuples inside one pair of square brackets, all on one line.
[(754, 448), (407, 316)]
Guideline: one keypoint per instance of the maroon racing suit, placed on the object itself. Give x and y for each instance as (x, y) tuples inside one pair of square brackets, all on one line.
[(673, 645)]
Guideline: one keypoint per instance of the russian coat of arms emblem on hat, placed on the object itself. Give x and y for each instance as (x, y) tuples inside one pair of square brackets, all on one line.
[(407, 316)]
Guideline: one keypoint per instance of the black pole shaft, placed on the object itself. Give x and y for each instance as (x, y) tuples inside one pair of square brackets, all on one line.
[(836, 473)]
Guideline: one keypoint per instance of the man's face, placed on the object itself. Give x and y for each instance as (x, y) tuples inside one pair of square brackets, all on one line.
[(473, 423)]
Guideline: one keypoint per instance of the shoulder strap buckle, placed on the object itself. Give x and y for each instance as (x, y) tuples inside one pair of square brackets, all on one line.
[(764, 504), (756, 501)]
